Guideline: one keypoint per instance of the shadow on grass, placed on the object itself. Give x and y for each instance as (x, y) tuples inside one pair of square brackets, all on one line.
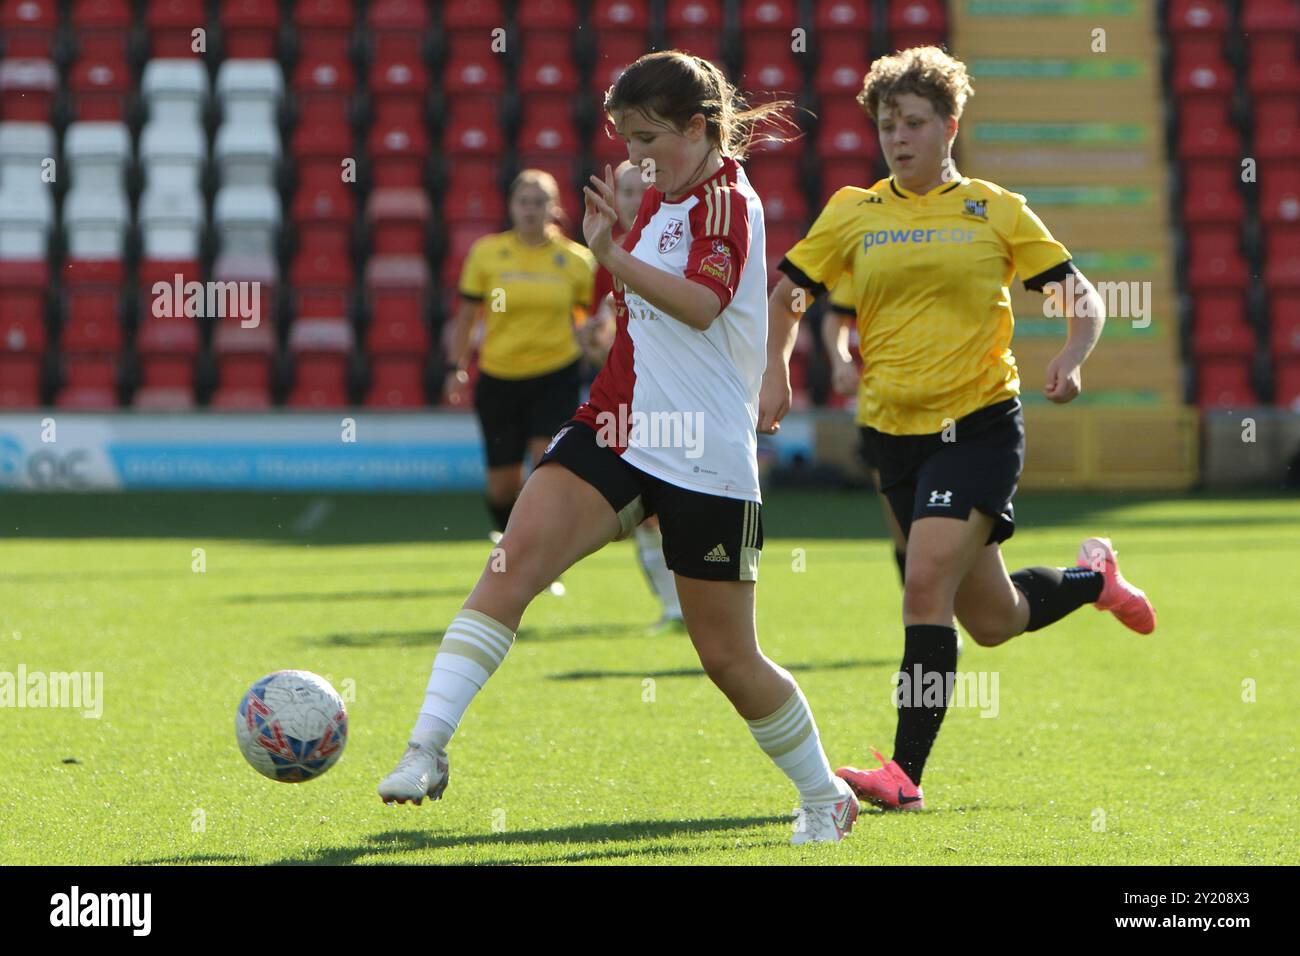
[(559, 632), (696, 672), (318, 596), (632, 831)]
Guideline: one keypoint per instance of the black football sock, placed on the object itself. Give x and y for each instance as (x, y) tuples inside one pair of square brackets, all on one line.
[(1055, 592), (500, 514), (929, 656), (900, 559)]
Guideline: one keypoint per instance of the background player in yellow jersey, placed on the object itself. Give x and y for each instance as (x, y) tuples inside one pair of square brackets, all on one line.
[(931, 254), (530, 283)]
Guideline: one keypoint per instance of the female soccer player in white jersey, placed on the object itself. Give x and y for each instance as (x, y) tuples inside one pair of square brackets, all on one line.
[(931, 254), (669, 428)]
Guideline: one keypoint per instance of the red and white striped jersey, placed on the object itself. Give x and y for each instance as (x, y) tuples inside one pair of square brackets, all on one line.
[(675, 402)]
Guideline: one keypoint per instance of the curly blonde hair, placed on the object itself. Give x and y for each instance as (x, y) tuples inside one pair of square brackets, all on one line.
[(927, 71)]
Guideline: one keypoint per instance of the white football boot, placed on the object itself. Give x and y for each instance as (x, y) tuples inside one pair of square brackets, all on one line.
[(420, 773), (827, 822)]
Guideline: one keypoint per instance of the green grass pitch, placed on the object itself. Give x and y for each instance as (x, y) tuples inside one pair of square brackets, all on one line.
[(597, 744)]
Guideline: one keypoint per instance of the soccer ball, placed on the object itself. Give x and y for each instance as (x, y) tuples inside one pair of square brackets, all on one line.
[(291, 726)]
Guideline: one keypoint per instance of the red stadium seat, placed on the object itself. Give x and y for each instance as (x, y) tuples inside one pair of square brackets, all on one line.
[(324, 29), (472, 67), (617, 51), (91, 332), (399, 154), (1282, 258), (1277, 126), (1280, 193), (838, 173), (100, 90), (693, 15), (27, 29), (1224, 383), (20, 379), (89, 382), (916, 23), (1273, 67), (1196, 75), (393, 333), (322, 215), (399, 220), (547, 67), (472, 15), (155, 271), (548, 129), (780, 240), (318, 150), (398, 29), (321, 284), (542, 15), (21, 333), (399, 88), (701, 43), (1284, 320), (91, 290), (770, 65), (780, 16), (27, 90), (170, 25), (102, 29), (843, 130), (397, 288), (397, 382), (1287, 391), (473, 192), (620, 15), (1262, 16), (842, 16), (323, 88), (249, 28), (1215, 260), (1205, 130), (842, 62), (1197, 17), (320, 348), (778, 184), (1222, 340), (1210, 192), (471, 128)]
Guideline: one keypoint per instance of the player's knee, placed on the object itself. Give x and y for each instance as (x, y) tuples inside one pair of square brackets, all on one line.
[(986, 633), (926, 591), (723, 664)]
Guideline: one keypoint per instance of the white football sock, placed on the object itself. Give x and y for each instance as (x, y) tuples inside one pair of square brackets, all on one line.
[(790, 738), (473, 647), (650, 553)]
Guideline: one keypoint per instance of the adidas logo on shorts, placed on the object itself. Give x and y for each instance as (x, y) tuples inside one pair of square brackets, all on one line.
[(719, 553)]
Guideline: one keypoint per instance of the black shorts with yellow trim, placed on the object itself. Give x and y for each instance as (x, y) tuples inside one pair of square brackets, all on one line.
[(708, 537), (973, 466), (513, 410)]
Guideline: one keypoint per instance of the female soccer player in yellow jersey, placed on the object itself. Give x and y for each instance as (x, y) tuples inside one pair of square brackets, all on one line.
[(529, 282), (931, 254), (690, 290)]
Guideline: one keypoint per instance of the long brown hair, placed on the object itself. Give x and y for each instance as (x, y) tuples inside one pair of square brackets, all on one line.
[(547, 184), (675, 86)]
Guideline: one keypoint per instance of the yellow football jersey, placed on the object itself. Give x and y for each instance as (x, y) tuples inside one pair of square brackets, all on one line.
[(929, 277), (529, 296)]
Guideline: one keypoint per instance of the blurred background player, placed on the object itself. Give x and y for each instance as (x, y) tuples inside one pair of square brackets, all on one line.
[(532, 284), (931, 254), (596, 336)]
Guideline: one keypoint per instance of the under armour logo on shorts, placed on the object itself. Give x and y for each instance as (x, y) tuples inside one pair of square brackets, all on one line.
[(941, 498)]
